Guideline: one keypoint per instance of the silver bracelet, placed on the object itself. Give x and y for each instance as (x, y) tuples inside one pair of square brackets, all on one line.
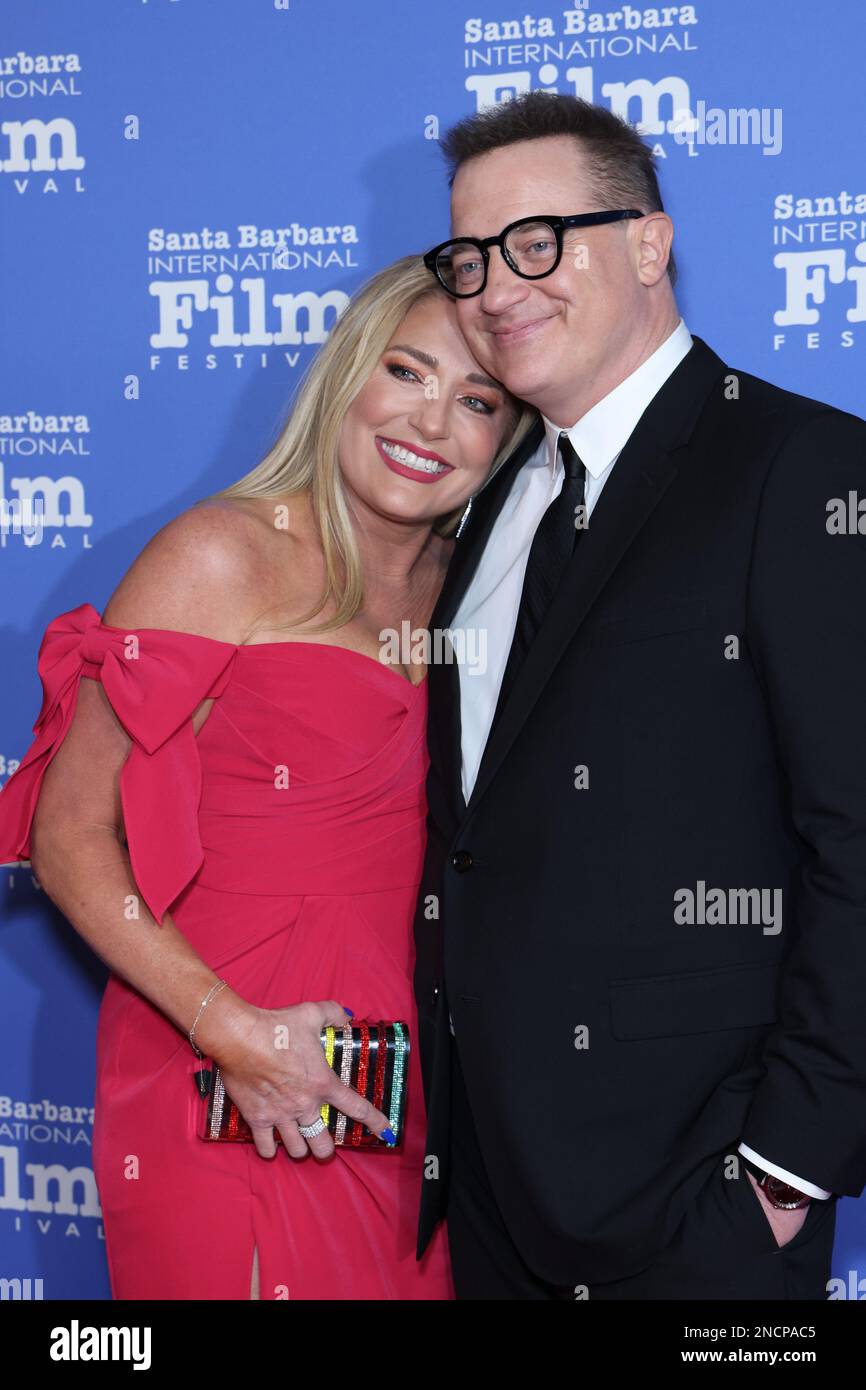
[(214, 989)]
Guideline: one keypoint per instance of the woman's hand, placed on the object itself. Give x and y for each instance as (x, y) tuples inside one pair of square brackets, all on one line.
[(275, 1071)]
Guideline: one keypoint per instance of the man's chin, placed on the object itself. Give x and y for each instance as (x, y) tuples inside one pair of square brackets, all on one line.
[(525, 380)]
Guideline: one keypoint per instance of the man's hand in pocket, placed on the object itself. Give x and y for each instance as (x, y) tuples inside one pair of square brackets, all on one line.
[(785, 1224)]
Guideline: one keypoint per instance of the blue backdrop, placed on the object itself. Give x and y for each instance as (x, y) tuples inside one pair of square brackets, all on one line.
[(189, 189)]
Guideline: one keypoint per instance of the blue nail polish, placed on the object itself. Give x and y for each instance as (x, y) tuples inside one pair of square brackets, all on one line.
[(389, 1136), (348, 1011)]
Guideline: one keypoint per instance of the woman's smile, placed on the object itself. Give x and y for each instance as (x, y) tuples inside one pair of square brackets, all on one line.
[(412, 461)]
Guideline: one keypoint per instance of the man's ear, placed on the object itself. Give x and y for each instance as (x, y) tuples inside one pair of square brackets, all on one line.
[(655, 234)]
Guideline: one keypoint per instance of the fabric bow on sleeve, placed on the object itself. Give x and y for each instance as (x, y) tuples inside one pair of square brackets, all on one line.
[(154, 680)]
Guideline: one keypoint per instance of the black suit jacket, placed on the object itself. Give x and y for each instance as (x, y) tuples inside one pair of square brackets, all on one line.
[(546, 909)]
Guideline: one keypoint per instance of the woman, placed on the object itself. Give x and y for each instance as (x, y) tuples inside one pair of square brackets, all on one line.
[(235, 793)]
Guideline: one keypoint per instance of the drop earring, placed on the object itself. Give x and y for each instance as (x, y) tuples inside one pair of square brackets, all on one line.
[(464, 518)]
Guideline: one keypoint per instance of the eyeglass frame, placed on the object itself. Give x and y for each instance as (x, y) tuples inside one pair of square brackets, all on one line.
[(557, 225)]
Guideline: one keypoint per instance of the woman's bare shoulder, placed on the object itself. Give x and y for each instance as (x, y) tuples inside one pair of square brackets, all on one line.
[(203, 573)]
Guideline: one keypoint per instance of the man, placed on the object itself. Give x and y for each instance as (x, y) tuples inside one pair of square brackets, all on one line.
[(641, 936)]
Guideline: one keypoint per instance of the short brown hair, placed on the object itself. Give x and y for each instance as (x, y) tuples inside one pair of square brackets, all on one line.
[(621, 165)]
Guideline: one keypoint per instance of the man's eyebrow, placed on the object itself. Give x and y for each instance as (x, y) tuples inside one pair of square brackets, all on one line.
[(430, 361)]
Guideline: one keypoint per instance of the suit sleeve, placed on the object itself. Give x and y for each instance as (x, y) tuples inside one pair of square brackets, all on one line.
[(801, 1184), (806, 633)]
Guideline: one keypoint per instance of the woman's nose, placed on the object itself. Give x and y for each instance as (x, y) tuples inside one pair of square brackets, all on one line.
[(430, 415)]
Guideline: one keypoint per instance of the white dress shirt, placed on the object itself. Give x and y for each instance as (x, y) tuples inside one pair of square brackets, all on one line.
[(492, 598), (491, 601)]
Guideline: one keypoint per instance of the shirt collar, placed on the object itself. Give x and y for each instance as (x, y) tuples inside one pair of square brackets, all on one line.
[(601, 433)]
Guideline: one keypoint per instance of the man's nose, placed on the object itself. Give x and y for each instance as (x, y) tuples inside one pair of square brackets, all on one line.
[(503, 287)]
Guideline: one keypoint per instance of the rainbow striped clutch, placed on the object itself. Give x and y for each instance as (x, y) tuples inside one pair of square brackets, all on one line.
[(371, 1057)]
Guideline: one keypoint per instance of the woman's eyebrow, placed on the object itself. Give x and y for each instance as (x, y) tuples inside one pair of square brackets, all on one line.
[(430, 361), (481, 380)]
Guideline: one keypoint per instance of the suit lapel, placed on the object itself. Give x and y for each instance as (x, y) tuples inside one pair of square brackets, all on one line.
[(641, 475)]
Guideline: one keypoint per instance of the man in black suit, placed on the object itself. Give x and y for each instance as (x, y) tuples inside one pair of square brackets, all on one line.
[(641, 935)]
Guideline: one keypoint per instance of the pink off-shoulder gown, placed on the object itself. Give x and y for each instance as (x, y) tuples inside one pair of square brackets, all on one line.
[(289, 892)]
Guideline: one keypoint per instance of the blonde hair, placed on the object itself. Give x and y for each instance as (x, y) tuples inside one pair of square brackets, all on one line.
[(305, 455)]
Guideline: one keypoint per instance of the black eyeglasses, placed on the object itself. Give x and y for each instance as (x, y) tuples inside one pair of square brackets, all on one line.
[(532, 247)]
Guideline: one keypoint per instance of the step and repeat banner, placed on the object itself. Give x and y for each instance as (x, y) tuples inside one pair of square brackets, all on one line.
[(189, 192)]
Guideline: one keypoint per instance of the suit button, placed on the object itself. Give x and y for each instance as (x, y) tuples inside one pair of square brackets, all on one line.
[(462, 860)]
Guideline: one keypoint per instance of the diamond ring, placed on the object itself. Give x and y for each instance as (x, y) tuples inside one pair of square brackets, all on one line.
[(310, 1131)]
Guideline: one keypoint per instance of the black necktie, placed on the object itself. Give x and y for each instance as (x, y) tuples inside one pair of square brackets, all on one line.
[(552, 548)]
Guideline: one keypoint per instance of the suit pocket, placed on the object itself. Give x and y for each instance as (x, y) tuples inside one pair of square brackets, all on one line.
[(741, 1192), (695, 1001), (636, 627)]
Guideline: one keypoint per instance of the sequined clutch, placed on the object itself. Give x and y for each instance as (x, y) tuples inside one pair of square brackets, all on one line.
[(371, 1057)]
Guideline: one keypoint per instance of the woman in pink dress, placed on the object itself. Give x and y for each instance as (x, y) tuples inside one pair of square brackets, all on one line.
[(235, 793)]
